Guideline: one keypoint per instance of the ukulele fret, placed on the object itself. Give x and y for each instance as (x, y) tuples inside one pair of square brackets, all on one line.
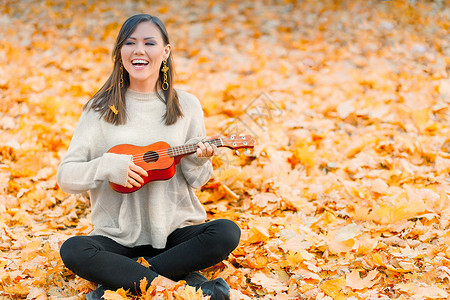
[(191, 148)]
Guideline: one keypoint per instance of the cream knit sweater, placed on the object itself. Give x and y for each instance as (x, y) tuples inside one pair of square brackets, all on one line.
[(148, 215)]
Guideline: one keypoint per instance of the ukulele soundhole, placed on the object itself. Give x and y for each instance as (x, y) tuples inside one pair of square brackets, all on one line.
[(151, 156)]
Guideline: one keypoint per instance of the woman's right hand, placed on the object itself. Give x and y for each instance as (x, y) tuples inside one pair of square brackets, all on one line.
[(135, 174)]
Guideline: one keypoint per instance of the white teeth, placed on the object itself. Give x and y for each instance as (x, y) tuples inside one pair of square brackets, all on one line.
[(139, 61)]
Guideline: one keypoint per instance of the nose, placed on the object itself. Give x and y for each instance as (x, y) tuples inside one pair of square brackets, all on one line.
[(139, 49)]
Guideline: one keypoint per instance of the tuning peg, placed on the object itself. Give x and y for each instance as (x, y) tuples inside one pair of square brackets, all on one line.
[(247, 152), (237, 152)]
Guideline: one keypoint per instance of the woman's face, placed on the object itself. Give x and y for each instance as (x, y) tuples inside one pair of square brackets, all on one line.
[(142, 54)]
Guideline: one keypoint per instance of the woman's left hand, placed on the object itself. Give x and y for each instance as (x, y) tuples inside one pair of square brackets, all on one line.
[(205, 149)]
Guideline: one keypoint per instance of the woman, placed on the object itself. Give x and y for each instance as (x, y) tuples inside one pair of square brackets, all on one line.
[(163, 221)]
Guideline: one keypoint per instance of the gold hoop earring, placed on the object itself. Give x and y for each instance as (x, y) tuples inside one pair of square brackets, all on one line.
[(121, 74), (165, 84)]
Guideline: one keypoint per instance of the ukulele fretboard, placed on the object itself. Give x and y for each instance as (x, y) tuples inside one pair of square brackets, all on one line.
[(191, 148)]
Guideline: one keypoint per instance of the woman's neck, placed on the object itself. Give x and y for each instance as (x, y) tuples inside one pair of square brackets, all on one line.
[(145, 86)]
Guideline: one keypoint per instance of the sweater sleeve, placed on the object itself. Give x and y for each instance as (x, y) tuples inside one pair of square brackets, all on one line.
[(85, 167), (196, 170)]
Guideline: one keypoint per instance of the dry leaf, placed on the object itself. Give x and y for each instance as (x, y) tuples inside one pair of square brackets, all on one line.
[(270, 284), (354, 281), (349, 111), (120, 294), (333, 287)]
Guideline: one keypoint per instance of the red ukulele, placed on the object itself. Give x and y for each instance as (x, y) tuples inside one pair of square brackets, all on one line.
[(159, 159)]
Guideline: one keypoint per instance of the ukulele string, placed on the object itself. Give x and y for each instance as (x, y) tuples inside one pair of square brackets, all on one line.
[(140, 155), (218, 142), (163, 155)]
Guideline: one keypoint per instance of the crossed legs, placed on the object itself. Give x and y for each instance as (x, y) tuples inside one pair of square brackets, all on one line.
[(104, 261)]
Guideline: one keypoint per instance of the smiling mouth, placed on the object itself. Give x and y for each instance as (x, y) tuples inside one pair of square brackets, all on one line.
[(139, 62)]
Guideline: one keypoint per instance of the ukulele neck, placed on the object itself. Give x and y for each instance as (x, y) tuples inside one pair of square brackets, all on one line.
[(191, 148)]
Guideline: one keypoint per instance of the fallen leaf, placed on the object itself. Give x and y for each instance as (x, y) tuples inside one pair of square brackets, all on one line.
[(270, 284), (354, 281)]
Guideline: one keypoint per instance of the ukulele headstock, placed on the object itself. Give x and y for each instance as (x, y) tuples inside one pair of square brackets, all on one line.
[(238, 141)]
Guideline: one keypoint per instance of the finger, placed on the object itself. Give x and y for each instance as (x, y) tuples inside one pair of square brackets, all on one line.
[(135, 176), (200, 153), (216, 150), (209, 149), (128, 185), (202, 146), (133, 173), (205, 149), (133, 182), (138, 169), (201, 149)]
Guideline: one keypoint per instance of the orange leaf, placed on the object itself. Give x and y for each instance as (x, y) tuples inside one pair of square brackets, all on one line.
[(120, 294), (259, 234), (143, 262), (143, 285), (257, 262), (306, 155), (333, 287), (378, 259)]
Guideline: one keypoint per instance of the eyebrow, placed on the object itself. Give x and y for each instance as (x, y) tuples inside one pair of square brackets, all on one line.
[(147, 38)]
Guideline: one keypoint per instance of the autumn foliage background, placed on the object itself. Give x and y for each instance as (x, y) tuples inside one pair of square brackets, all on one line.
[(346, 194)]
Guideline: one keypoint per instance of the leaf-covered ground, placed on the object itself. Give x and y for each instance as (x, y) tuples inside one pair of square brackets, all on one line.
[(346, 194)]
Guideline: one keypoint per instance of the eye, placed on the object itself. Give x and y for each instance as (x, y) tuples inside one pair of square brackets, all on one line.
[(129, 43), (150, 43)]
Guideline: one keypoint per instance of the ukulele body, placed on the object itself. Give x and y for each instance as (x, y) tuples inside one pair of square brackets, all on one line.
[(153, 158)]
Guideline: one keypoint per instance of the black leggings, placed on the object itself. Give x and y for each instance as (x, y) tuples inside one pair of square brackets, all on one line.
[(192, 248)]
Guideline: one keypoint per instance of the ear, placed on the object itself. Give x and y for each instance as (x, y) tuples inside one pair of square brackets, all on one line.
[(167, 50)]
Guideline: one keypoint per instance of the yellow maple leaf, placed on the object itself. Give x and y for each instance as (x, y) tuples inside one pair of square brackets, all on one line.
[(294, 258), (189, 293), (333, 287)]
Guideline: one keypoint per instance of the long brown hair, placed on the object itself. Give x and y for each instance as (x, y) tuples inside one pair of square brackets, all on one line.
[(112, 93)]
